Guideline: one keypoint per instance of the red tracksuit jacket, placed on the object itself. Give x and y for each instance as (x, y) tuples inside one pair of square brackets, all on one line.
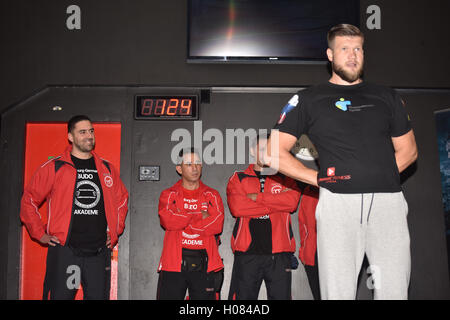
[(55, 182), (175, 219), (307, 225), (272, 201)]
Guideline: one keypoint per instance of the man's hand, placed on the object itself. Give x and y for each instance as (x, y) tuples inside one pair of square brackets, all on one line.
[(252, 196), (108, 240), (205, 214), (48, 239), (204, 210), (405, 150)]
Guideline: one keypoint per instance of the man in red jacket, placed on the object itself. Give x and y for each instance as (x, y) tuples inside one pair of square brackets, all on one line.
[(87, 207), (308, 236), (191, 214), (262, 239)]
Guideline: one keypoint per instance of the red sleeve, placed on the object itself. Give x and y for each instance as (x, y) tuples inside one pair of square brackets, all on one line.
[(122, 195), (285, 201), (306, 214), (170, 215), (239, 204), (213, 224), (302, 226), (34, 194)]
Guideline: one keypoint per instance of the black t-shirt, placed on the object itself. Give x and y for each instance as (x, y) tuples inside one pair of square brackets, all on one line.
[(88, 224), (260, 228), (351, 128)]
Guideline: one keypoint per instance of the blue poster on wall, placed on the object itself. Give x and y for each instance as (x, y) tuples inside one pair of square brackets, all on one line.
[(443, 136)]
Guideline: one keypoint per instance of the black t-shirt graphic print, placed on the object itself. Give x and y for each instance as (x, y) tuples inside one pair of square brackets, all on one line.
[(88, 224), (352, 129)]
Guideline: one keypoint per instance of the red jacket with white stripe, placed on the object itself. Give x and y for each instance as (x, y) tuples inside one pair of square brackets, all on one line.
[(55, 182), (175, 219), (307, 225), (280, 198)]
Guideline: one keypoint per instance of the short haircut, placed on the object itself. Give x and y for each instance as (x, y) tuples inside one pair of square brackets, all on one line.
[(343, 30), (186, 151), (74, 120)]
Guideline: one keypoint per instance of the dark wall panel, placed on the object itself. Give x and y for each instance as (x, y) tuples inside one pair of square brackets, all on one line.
[(144, 42), (424, 195)]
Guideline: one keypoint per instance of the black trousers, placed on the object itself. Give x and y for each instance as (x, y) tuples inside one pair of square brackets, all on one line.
[(173, 285), (312, 272), (250, 270), (200, 284), (68, 268)]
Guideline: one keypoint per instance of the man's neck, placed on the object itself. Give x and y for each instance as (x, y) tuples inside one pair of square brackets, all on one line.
[(81, 155), (335, 79), (257, 167), (190, 185)]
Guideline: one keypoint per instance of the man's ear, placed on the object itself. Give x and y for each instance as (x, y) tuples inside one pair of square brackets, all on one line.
[(178, 168), (330, 54), (70, 137)]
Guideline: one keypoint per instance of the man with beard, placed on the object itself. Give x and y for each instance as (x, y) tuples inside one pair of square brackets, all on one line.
[(364, 140), (87, 206)]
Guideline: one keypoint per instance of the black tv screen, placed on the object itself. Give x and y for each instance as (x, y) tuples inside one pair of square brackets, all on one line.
[(289, 31)]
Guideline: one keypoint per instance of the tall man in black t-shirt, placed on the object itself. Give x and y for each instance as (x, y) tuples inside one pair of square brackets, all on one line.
[(364, 139), (87, 206)]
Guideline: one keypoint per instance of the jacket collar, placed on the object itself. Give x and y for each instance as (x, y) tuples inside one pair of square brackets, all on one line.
[(250, 170), (179, 185), (67, 157)]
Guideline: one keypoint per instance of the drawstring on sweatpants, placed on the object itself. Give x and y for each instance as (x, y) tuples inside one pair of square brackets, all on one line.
[(370, 207), (362, 207)]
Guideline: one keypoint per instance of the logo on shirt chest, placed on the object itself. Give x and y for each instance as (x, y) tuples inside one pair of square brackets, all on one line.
[(343, 104), (87, 192), (346, 105), (190, 204), (276, 188), (108, 181)]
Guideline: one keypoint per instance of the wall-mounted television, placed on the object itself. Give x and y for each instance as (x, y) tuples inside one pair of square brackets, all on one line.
[(264, 31)]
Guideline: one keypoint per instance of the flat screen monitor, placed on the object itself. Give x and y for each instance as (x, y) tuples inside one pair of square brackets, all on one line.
[(264, 31)]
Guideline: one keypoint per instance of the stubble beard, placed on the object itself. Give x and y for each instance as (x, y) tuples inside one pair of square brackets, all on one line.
[(346, 75), (85, 147)]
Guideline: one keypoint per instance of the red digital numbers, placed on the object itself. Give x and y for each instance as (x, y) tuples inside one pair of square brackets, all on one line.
[(166, 107), (186, 106), (147, 107), (160, 107), (173, 107)]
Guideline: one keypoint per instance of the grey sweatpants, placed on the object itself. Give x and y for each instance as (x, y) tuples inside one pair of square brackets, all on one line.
[(351, 225)]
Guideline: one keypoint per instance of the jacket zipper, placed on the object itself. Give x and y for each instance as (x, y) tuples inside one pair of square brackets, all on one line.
[(306, 236), (287, 229), (239, 232), (118, 216), (73, 204), (49, 214)]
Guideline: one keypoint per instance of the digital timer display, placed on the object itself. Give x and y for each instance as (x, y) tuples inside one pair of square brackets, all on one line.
[(166, 107)]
